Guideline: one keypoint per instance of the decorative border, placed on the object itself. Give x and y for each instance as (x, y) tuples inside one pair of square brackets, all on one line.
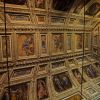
[(19, 18), (45, 69), (69, 42), (10, 49), (43, 44), (56, 20), (41, 19)]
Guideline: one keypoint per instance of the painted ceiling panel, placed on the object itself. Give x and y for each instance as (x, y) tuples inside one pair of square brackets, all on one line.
[(93, 9), (73, 6)]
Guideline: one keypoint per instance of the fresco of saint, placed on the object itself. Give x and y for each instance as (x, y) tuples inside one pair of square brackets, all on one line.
[(42, 92), (78, 76), (58, 42), (79, 40), (43, 44), (90, 71), (61, 82), (25, 45), (18, 92)]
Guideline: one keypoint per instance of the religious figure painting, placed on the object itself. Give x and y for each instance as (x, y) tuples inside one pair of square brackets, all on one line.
[(69, 41), (78, 76), (79, 40), (26, 45), (93, 9), (62, 82), (42, 90), (58, 42), (43, 44), (41, 4), (18, 92), (90, 71), (6, 49)]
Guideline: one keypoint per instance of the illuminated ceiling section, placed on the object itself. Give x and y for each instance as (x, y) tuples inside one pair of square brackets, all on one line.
[(74, 8)]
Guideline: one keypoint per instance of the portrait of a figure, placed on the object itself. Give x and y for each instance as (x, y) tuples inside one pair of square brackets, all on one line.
[(79, 39), (78, 76), (61, 82), (42, 91), (93, 9), (18, 92), (25, 44), (58, 42), (43, 44), (90, 71)]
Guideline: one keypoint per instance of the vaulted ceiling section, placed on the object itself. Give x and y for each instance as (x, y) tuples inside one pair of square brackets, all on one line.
[(67, 5)]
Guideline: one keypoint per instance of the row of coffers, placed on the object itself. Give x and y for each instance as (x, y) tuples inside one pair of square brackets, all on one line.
[(61, 82), (27, 45)]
